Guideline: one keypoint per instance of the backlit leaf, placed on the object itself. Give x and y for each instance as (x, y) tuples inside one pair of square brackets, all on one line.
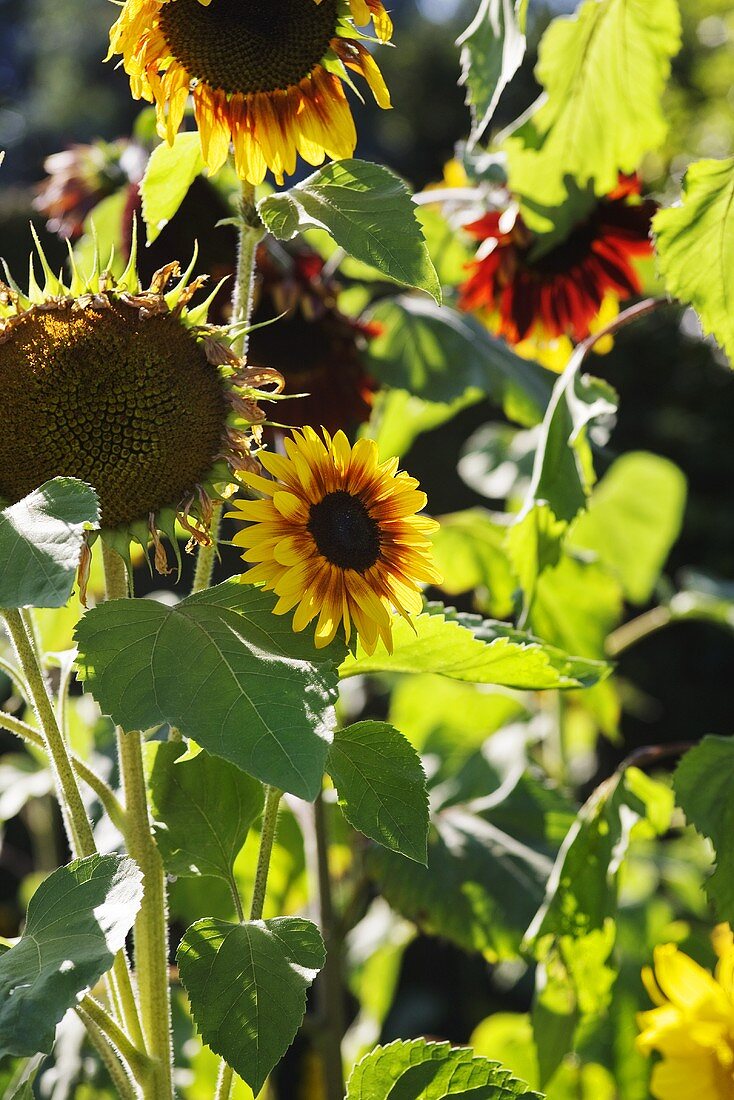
[(492, 49), (169, 174)]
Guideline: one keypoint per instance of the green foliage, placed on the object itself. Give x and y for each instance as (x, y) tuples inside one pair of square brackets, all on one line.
[(441, 355), (41, 540), (419, 1070), (703, 782), (367, 210), (634, 516), (603, 71), (77, 920), (202, 809), (381, 786), (470, 553), (169, 173), (493, 47), (252, 1021), (224, 670), (703, 226), (477, 650), (488, 863)]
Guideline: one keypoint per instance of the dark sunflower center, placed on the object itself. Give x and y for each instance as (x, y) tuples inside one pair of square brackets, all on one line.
[(130, 406), (344, 531), (249, 45)]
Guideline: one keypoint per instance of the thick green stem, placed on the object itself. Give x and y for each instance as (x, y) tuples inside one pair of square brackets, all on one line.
[(267, 838), (251, 232), (76, 821), (119, 1074), (151, 926), (329, 987), (138, 1062), (225, 1080)]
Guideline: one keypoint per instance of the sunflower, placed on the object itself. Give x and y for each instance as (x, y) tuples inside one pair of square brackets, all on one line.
[(318, 349), (692, 1026), (265, 75), (337, 536), (566, 293), (130, 391)]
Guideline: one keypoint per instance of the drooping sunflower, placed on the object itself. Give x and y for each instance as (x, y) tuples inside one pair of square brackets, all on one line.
[(337, 537), (265, 75), (318, 349), (128, 390), (692, 1026), (567, 292)]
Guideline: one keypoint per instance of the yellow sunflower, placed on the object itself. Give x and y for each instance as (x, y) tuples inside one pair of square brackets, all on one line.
[(337, 536), (692, 1026), (265, 75)]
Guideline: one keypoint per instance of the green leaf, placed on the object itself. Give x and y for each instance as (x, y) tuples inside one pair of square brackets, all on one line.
[(398, 418), (442, 355), (381, 786), (481, 651), (633, 518), (77, 921), (168, 176), (488, 864), (577, 603), (703, 784), (202, 809), (368, 211), (247, 986), (419, 1070), (225, 671), (41, 540), (703, 226), (492, 49), (469, 549), (603, 70)]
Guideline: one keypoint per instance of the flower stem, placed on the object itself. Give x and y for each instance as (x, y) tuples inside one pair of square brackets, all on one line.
[(76, 821), (137, 1060), (151, 926), (267, 838), (225, 1080), (251, 232), (634, 631)]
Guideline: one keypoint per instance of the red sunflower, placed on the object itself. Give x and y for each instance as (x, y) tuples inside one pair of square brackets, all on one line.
[(561, 292), (317, 348)]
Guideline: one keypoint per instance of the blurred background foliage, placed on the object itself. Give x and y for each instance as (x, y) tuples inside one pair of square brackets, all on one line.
[(676, 401)]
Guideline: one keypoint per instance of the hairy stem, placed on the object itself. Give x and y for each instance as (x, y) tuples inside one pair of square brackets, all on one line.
[(151, 925), (76, 821), (267, 838), (251, 232), (120, 1076), (225, 1080), (137, 1060), (329, 991)]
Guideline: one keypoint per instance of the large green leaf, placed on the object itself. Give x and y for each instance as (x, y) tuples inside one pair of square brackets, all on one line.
[(168, 175), (368, 211), (703, 226), (492, 49), (41, 540), (603, 71), (224, 670), (442, 355), (481, 651), (202, 809), (77, 921), (633, 518), (381, 786), (469, 548), (488, 863), (419, 1070), (703, 786), (247, 987)]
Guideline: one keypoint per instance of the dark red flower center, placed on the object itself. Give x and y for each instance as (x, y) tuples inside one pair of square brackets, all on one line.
[(344, 531)]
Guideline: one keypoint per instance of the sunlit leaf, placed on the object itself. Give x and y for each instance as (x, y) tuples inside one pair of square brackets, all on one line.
[(202, 809), (419, 1070), (41, 541), (367, 210), (168, 176), (77, 921), (492, 49), (251, 1020), (381, 786), (603, 71), (702, 226), (225, 671)]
